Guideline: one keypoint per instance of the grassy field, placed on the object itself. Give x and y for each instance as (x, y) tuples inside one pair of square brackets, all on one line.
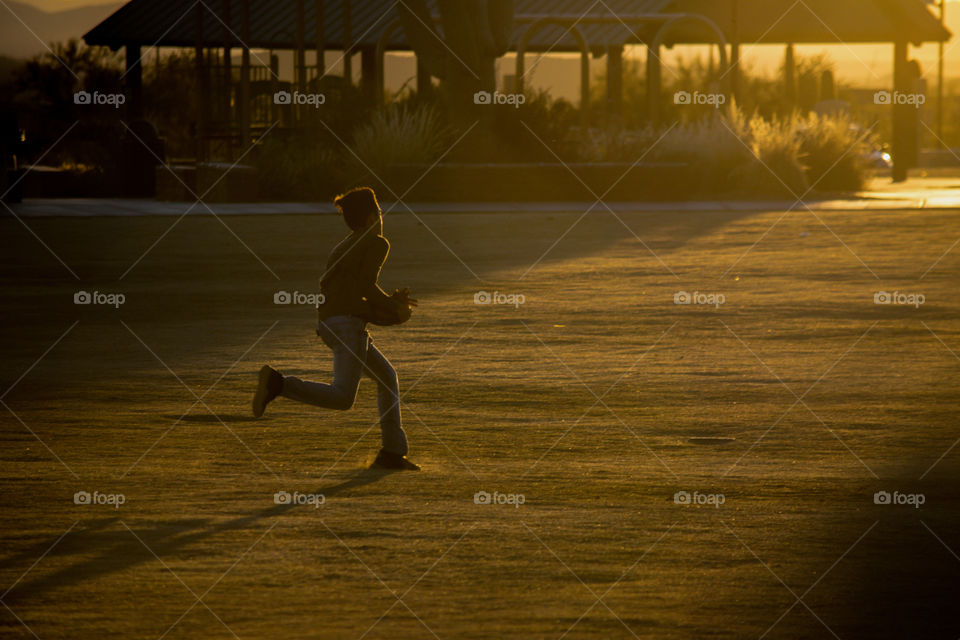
[(596, 400)]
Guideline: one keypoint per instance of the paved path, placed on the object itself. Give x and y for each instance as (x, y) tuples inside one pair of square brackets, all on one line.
[(920, 193)]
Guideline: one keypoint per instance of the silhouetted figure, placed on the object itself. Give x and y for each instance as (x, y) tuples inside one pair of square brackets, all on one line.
[(352, 298)]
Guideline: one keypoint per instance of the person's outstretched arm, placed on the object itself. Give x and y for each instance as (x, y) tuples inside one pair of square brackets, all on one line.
[(370, 270)]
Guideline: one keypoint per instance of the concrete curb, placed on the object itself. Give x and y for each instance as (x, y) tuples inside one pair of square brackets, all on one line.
[(80, 207)]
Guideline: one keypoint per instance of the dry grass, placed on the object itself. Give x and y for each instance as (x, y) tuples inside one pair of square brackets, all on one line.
[(735, 153), (398, 135), (498, 399)]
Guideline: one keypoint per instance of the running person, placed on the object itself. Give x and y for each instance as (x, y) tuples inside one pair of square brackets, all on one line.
[(352, 297)]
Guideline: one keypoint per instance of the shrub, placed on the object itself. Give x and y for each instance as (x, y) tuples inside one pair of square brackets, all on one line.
[(385, 150), (777, 166), (398, 135), (614, 144), (733, 154), (534, 132), (41, 96), (833, 148), (301, 167), (717, 148)]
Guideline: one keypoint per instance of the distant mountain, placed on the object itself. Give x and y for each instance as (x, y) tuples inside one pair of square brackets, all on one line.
[(24, 28), (53, 6)]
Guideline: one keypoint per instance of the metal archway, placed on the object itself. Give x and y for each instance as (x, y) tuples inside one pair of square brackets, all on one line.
[(653, 68), (584, 58)]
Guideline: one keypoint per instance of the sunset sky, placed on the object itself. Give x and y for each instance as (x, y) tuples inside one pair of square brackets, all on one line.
[(860, 65)]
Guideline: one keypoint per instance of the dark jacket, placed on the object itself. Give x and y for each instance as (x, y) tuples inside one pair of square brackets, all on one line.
[(350, 281)]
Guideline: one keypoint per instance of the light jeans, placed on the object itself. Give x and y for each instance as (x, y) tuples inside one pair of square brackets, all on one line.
[(354, 354)]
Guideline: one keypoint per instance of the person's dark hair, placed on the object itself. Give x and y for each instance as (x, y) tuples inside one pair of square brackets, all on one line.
[(356, 206)]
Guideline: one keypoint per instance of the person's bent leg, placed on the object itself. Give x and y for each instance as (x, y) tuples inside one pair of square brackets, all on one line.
[(349, 352), (382, 372)]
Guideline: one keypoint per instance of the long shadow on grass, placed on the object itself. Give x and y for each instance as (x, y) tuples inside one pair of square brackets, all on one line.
[(505, 248), (118, 549)]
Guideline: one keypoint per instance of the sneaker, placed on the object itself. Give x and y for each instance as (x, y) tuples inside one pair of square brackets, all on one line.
[(393, 461), (269, 387)]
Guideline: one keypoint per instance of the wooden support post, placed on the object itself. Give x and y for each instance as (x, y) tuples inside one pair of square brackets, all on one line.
[(134, 82), (615, 80), (300, 59), (520, 69), (653, 85), (275, 112), (245, 74), (201, 74), (735, 50), (321, 41), (227, 77), (369, 73), (943, 18), (900, 112), (584, 88), (347, 43)]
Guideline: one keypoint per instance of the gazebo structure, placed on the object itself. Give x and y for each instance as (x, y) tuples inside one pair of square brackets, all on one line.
[(215, 28)]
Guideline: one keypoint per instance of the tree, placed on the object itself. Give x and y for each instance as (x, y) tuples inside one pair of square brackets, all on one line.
[(42, 97), (474, 34)]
